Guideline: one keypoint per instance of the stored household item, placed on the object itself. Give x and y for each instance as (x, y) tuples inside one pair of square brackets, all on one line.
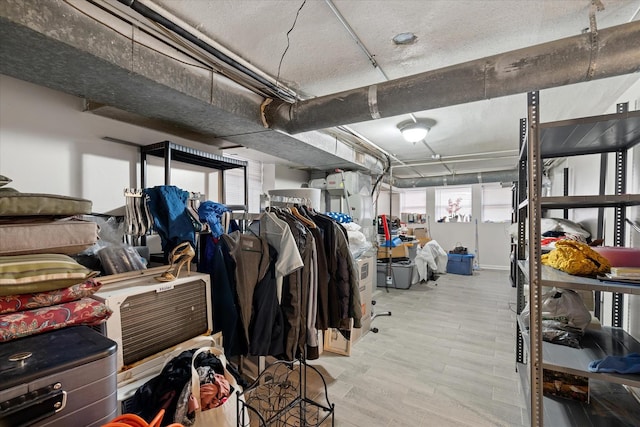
[(402, 275), (352, 181), (606, 134), (130, 380), (151, 316), (116, 259), (459, 250), (15, 203), (620, 256), (365, 267), (566, 386), (58, 378), (179, 256), (576, 258), (460, 264), (46, 236)]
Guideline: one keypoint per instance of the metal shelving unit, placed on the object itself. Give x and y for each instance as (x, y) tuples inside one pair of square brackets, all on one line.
[(171, 152), (611, 133)]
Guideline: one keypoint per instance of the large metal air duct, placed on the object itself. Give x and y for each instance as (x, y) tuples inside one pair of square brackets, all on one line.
[(609, 52), (457, 179)]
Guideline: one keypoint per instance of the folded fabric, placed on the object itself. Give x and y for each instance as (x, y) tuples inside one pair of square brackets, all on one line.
[(211, 213), (171, 219), (14, 303), (629, 364), (85, 311), (27, 274)]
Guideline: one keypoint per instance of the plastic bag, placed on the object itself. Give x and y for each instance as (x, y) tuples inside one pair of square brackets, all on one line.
[(564, 317), (120, 259), (557, 332)]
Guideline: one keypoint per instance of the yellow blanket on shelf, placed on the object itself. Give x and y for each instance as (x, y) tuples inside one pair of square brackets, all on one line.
[(576, 258)]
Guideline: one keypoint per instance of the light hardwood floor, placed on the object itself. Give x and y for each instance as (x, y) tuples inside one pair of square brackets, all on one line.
[(446, 357)]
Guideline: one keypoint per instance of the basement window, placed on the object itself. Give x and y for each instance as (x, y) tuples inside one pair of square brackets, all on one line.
[(234, 186), (453, 204), (413, 206), (496, 203)]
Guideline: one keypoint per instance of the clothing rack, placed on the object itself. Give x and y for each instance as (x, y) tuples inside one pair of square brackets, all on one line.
[(288, 200), (280, 394), (138, 218)]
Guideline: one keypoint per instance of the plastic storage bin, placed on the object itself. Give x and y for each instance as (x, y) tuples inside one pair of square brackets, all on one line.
[(460, 264), (402, 275)]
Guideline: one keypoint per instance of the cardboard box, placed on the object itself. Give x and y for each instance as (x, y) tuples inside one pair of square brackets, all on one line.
[(420, 233), (334, 341), (423, 240), (567, 386), (366, 276), (400, 251)]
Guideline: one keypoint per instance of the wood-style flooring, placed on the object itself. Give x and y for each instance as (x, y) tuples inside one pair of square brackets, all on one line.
[(446, 357)]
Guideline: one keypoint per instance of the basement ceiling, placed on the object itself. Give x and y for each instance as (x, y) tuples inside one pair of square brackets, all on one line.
[(316, 48)]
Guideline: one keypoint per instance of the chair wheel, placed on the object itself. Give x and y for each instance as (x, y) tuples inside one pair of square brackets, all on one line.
[(374, 330), (389, 313), (373, 302)]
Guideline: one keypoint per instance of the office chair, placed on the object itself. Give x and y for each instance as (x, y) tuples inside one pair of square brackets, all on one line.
[(374, 315)]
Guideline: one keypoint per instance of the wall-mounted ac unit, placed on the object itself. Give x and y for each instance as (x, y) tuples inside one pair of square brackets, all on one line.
[(150, 317)]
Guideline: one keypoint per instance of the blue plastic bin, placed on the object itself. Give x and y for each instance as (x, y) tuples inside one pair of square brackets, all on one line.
[(460, 264)]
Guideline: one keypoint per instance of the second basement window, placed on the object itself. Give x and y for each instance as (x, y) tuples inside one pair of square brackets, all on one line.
[(453, 204)]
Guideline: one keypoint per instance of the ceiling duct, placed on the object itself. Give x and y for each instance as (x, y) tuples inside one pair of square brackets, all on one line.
[(557, 63), (127, 79), (458, 179)]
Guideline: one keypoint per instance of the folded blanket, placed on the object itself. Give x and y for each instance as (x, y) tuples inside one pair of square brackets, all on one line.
[(629, 364)]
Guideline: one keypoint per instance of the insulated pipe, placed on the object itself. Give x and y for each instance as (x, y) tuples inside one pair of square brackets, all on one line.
[(461, 179), (562, 62)]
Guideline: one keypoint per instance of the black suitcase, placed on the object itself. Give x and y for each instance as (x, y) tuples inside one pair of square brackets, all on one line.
[(62, 378)]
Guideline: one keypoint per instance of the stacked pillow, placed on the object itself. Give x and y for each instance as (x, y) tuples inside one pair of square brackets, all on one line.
[(42, 292)]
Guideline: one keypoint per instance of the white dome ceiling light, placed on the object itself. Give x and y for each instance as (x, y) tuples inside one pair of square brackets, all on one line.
[(416, 131)]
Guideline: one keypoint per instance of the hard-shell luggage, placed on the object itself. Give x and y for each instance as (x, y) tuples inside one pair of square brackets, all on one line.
[(61, 378)]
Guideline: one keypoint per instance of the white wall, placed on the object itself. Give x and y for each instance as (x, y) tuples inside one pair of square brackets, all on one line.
[(287, 177), (493, 247), (386, 206), (48, 145)]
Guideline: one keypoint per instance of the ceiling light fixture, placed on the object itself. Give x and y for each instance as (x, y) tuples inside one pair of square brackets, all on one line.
[(415, 131)]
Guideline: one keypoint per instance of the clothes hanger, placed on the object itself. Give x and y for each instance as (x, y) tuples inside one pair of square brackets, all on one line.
[(306, 221)]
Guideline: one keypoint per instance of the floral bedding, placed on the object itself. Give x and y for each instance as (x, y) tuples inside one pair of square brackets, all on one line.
[(85, 311), (13, 303)]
